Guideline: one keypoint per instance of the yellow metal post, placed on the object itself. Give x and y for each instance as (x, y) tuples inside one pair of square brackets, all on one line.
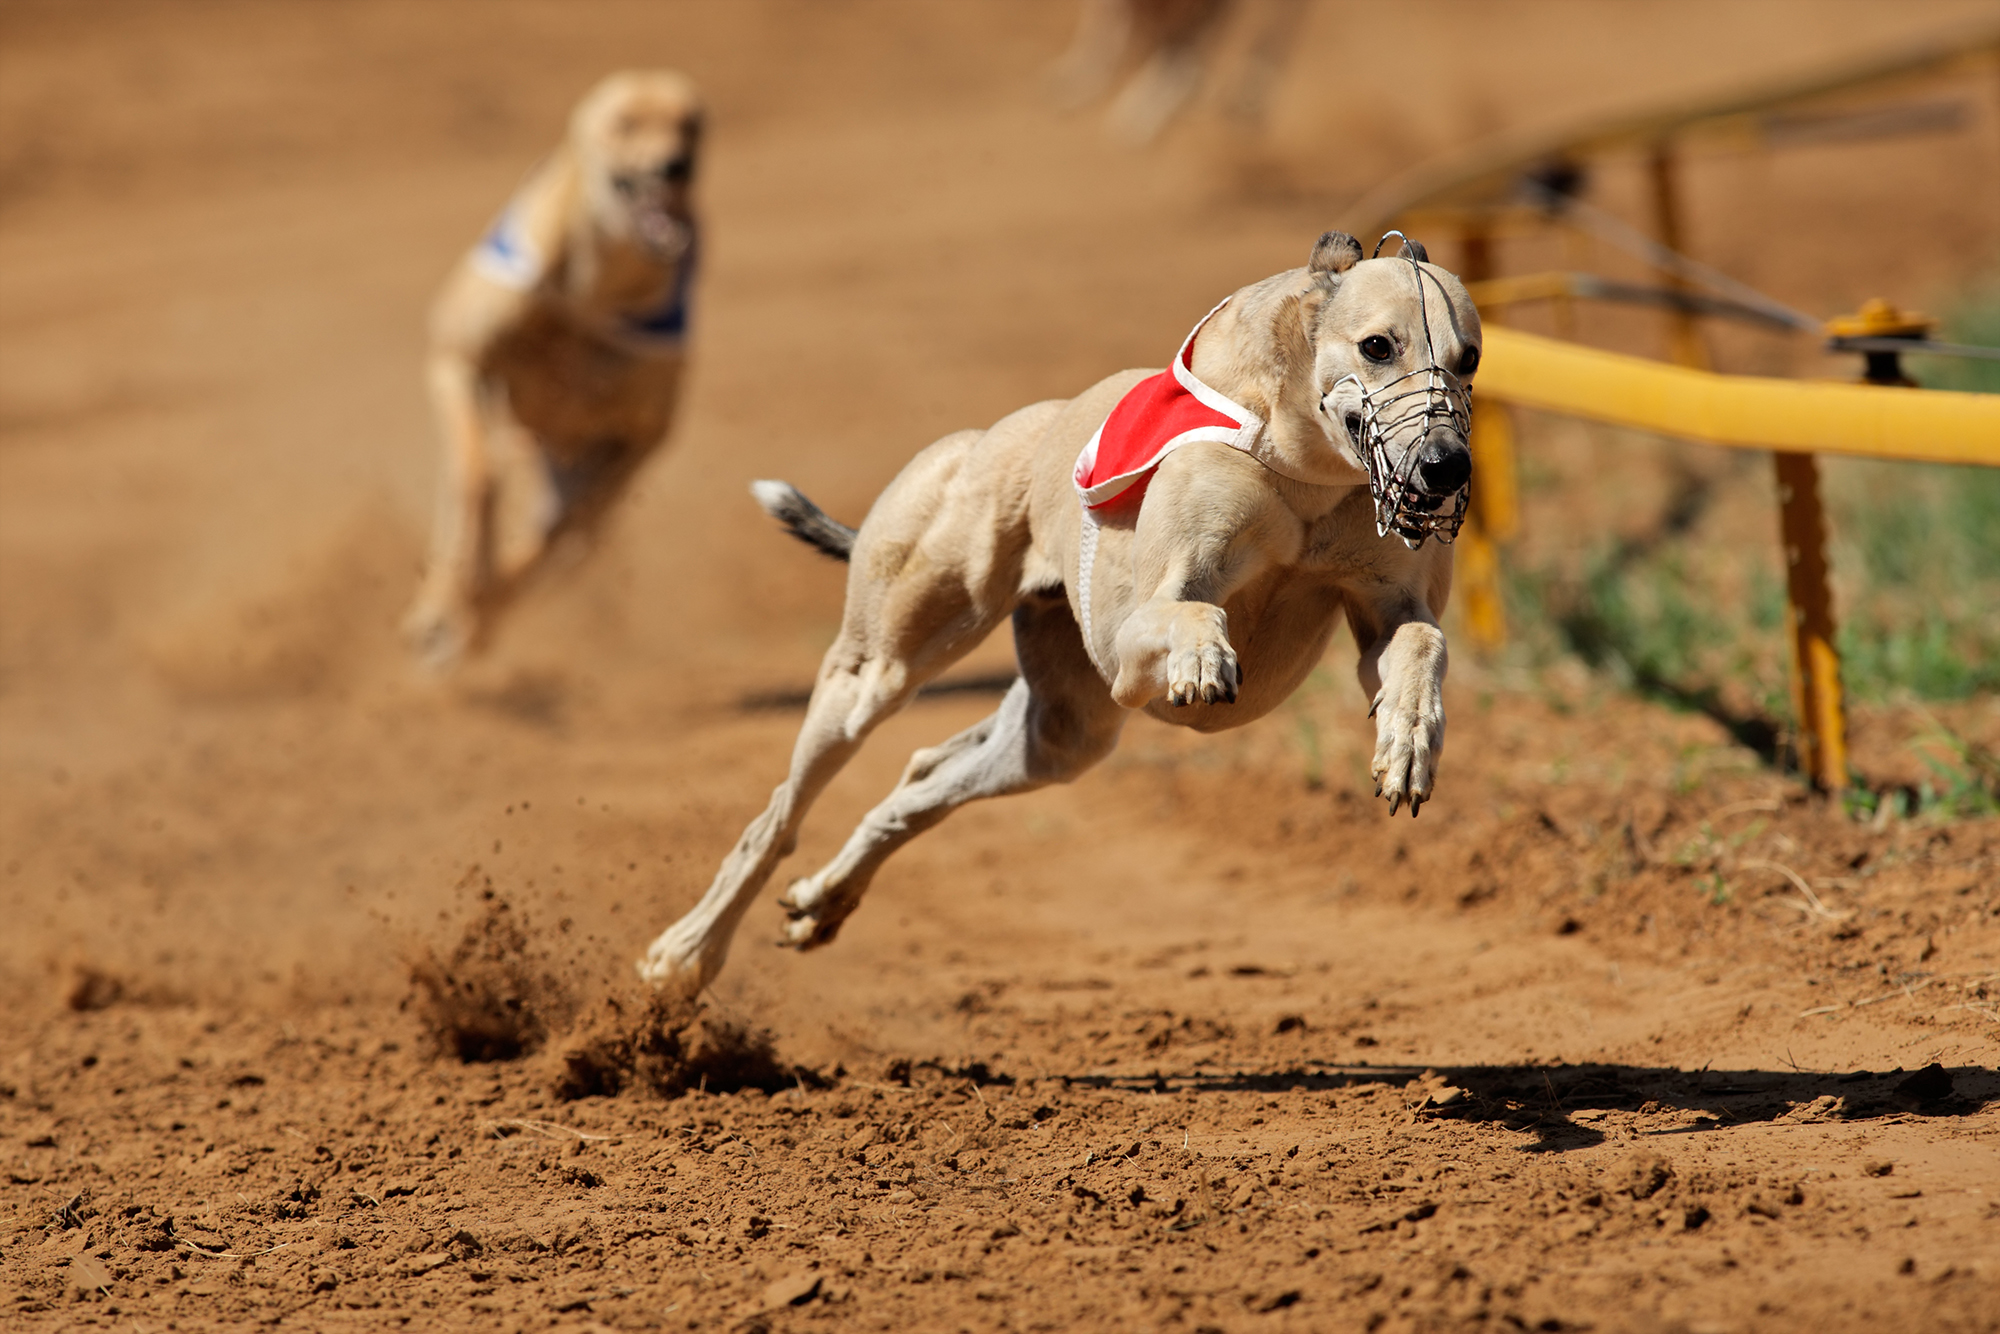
[(1684, 341), (1816, 695), (1494, 518), (1495, 513)]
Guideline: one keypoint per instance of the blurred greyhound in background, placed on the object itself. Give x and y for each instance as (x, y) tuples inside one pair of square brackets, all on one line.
[(1166, 51), (1182, 543), (556, 351)]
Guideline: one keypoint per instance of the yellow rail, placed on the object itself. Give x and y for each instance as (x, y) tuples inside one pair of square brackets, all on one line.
[(1741, 411), (1792, 418)]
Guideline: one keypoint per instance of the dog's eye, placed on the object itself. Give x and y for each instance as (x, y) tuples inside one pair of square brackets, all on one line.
[(1377, 348), (1469, 362)]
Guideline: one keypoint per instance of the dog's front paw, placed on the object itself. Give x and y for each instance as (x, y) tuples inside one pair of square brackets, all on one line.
[(439, 632), (1205, 672), (1409, 739)]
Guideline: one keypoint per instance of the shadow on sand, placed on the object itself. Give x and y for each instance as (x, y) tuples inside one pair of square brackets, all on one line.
[(1546, 1098), (778, 701)]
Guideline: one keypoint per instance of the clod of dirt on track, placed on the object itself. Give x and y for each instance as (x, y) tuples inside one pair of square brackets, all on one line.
[(666, 1045), (494, 996), (488, 999), (91, 988)]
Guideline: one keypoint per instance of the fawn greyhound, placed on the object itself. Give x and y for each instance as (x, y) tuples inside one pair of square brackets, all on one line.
[(1182, 542), (556, 351)]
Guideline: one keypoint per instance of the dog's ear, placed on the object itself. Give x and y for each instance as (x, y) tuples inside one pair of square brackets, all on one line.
[(1334, 252), (1415, 250)]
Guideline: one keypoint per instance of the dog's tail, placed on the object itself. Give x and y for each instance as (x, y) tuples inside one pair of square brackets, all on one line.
[(803, 519)]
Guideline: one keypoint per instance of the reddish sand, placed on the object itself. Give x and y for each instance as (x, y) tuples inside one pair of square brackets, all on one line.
[(1206, 1041)]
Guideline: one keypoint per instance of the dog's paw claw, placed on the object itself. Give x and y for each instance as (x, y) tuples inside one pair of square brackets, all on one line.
[(1409, 740), (1207, 674)]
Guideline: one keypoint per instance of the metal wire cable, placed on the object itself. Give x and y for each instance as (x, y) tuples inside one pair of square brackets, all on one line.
[(1617, 232)]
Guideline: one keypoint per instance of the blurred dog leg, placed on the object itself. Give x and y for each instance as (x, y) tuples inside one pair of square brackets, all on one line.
[(1170, 40), (442, 621), (1083, 73), (1156, 94)]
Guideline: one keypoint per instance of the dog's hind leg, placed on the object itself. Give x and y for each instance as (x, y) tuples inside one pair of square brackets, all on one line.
[(1057, 721), (923, 592), (848, 700)]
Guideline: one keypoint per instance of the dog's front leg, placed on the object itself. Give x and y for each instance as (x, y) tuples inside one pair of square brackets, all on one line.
[(1179, 649), (1205, 531), (1402, 670), (442, 621)]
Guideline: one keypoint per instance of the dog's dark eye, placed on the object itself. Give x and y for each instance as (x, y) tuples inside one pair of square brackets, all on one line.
[(1377, 348), (1469, 362)]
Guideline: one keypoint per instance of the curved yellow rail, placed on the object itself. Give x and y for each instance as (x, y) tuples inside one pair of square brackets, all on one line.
[(1742, 411)]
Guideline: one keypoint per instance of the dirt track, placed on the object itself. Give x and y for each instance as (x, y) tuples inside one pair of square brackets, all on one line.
[(1205, 1041)]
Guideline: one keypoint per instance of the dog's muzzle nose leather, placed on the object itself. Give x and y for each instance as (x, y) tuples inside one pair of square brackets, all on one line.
[(1445, 464)]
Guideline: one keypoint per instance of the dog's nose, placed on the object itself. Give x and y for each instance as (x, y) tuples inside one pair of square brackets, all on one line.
[(1445, 464)]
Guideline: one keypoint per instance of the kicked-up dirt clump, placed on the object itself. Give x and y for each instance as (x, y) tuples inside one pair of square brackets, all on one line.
[(488, 999), (91, 988), (668, 1045)]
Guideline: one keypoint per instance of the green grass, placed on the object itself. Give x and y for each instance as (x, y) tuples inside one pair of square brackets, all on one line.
[(1693, 611), (1916, 552), (1974, 318), (1927, 617), (1964, 783), (1916, 557), (1659, 622), (1968, 776)]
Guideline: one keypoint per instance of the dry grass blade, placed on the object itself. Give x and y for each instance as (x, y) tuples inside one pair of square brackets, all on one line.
[(1903, 991), (1990, 1013), (235, 1255), (1812, 905), (546, 1129), (1768, 805)]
